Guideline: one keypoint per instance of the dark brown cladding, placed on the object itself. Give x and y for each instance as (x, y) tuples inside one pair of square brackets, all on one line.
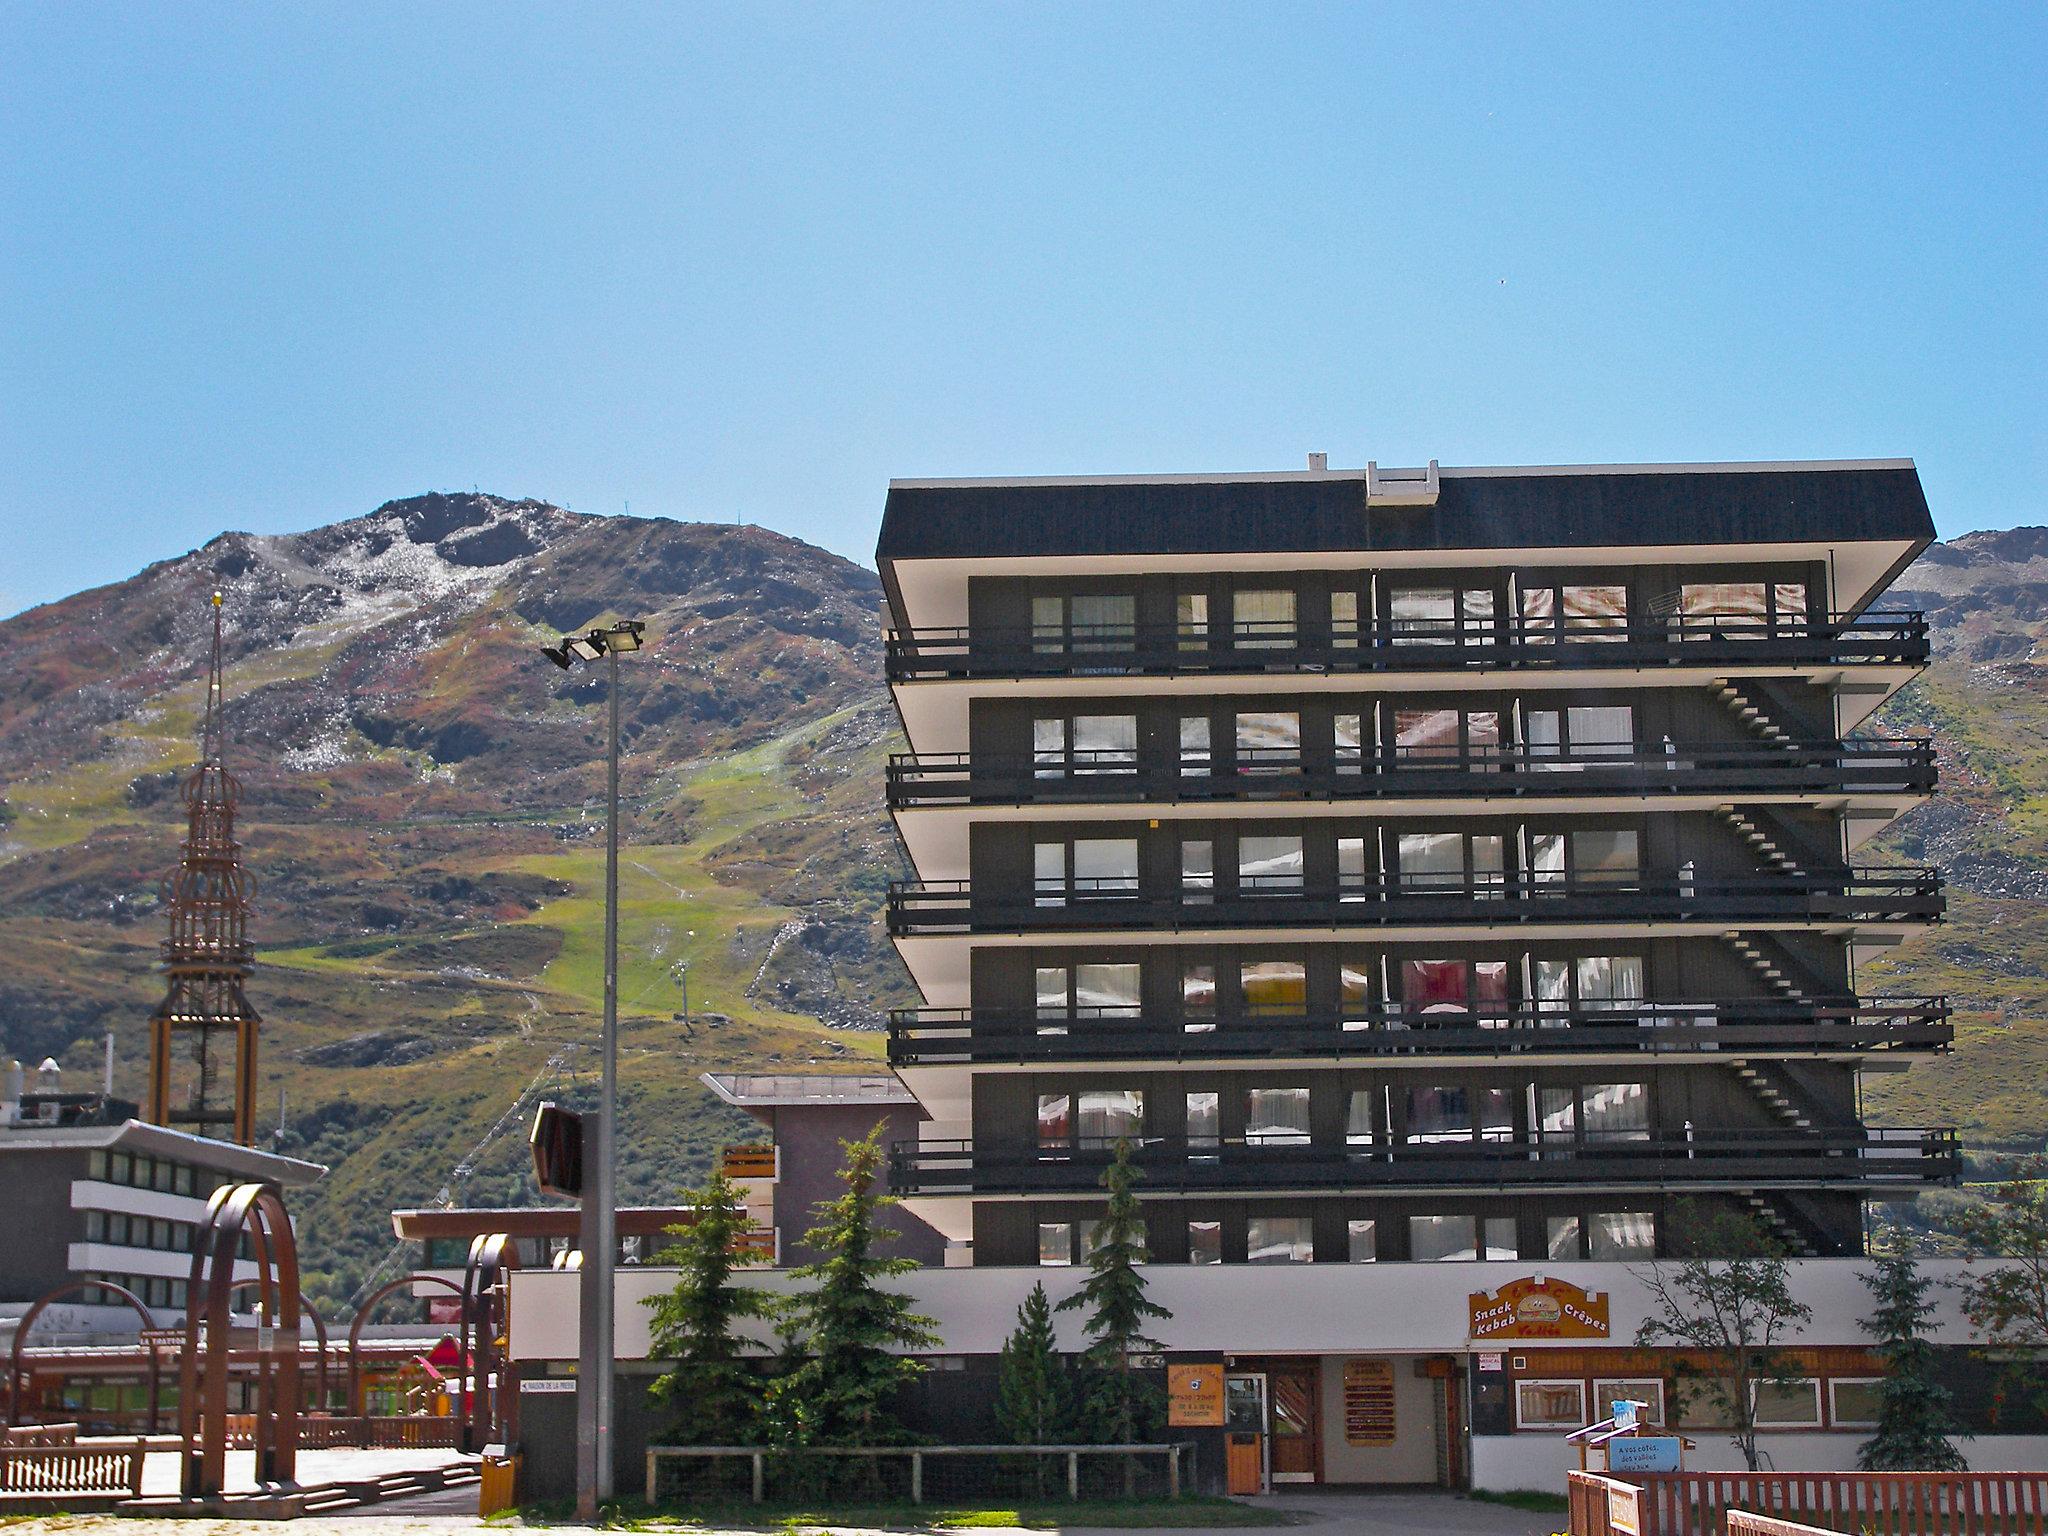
[(1552, 510)]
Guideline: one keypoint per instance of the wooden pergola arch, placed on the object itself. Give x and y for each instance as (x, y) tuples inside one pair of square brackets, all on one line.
[(490, 1408), (355, 1329), (16, 1366)]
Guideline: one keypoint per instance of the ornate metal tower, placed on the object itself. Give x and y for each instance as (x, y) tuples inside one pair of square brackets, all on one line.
[(207, 955)]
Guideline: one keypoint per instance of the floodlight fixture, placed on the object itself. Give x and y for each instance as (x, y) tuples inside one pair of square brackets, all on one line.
[(623, 636), (586, 647), (558, 654)]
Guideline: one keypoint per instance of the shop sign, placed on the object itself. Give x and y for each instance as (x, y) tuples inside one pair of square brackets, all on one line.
[(1624, 1510), (1490, 1360), (1537, 1308), (1194, 1395), (540, 1385), (1643, 1453)]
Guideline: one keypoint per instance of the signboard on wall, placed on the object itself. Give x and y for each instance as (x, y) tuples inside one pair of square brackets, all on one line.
[(1194, 1395), (1643, 1453), (1368, 1402), (1624, 1510), (1537, 1308)]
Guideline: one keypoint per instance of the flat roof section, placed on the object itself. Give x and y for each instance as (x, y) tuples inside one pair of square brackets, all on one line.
[(162, 1141)]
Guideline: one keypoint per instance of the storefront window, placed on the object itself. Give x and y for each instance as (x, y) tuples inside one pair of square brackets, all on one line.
[(1550, 1405)]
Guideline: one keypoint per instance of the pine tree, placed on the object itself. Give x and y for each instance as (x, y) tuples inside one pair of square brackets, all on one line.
[(712, 1393), (1121, 1406), (1032, 1397), (1914, 1422), (841, 1330)]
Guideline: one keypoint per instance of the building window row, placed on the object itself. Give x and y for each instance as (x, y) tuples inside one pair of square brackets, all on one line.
[(137, 1170), (1435, 1237), (1793, 1403), (155, 1290), (128, 1231)]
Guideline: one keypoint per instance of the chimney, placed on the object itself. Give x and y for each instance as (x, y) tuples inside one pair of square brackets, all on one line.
[(1318, 463), (49, 1076), (107, 1079), (12, 1080)]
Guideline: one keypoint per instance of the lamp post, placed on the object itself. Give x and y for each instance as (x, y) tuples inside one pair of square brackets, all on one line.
[(595, 1353)]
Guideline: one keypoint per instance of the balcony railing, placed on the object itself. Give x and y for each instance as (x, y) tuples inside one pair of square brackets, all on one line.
[(1766, 1027), (1407, 645), (1851, 896), (1848, 1156), (1856, 766), (757, 1161)]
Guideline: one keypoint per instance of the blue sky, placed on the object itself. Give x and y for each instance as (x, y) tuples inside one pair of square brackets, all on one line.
[(266, 266)]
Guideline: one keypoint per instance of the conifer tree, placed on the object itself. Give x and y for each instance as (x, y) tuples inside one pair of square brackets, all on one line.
[(1914, 1422), (712, 1393), (1120, 1406), (1032, 1397), (841, 1330)]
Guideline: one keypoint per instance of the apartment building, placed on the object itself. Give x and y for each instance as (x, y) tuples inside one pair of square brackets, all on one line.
[(1412, 865)]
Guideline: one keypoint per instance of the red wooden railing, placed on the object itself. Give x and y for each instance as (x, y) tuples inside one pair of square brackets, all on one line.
[(397, 1432), (1868, 1503), (91, 1466)]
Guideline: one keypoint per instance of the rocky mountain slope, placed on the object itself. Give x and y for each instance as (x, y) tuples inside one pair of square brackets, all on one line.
[(421, 811)]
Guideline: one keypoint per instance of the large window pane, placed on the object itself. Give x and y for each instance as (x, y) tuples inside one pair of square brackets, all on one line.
[(1553, 986), (1489, 866), (1053, 1002), (1055, 1243), (1424, 615), (1049, 748), (1423, 736), (1049, 873), (1268, 741), (1542, 733), (1104, 621), (1623, 1235), (1432, 860), (1605, 857), (1601, 730), (1194, 745), (1055, 1119), (1359, 1127), (1436, 986), (1732, 608), (1550, 1405), (1432, 1239), (1344, 620), (1347, 735), (1205, 1117), (1268, 864), (1198, 871), (1105, 866), (1496, 1114), (1276, 1116), (1595, 613), (1274, 986), (1191, 613), (1108, 1114), (1106, 990), (1500, 1238), (1610, 981), (1105, 743), (1354, 985), (1262, 620), (1439, 1114), (1278, 1240), (1557, 1112), (1198, 996), (1364, 1240), (1205, 1242), (1561, 1237), (1614, 1111)]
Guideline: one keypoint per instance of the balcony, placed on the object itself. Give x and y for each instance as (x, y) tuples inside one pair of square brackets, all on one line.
[(1409, 645), (1853, 1157), (1754, 1027), (1858, 766), (1849, 897), (750, 1162)]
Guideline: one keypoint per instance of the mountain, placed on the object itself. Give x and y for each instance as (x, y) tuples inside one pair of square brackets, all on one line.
[(422, 812)]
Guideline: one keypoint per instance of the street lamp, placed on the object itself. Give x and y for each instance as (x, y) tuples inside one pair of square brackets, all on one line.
[(595, 1350)]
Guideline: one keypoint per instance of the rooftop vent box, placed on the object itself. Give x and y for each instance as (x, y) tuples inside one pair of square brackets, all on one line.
[(1400, 487)]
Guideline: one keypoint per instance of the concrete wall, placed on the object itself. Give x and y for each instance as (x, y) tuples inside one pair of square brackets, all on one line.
[(41, 1224), (1412, 1456), (810, 1137), (1504, 1462)]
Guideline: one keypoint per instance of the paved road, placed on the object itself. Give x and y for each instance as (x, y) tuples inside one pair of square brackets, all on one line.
[(443, 1514)]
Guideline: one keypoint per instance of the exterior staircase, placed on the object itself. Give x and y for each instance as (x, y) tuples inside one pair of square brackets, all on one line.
[(1765, 1086), (1766, 847), (1780, 1227), (1760, 960), (1745, 702)]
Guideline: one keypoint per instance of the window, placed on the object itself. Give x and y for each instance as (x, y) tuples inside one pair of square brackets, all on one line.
[(1558, 739), (1054, 998), (1055, 1243), (1105, 743), (1855, 1401), (1198, 872), (1048, 748), (1558, 1113), (1204, 1118), (1278, 1240), (1614, 1112), (1093, 621), (1055, 1119), (1268, 741), (1623, 1235), (1588, 855), (1364, 1241), (1194, 746), (1454, 986), (1102, 867), (1436, 1239), (1588, 613), (1359, 1128), (1561, 1238), (1106, 990), (1351, 872), (1273, 987), (1500, 1238), (1347, 743), (1191, 614), (1791, 1403), (1496, 1114), (1107, 1115), (1276, 1117), (1423, 735), (1344, 620), (1198, 997), (1550, 1405), (1354, 991), (1595, 982), (1268, 865), (1262, 620), (1086, 1236), (1424, 615), (1648, 1392), (1049, 874), (1432, 860), (1439, 1114), (1205, 1242)]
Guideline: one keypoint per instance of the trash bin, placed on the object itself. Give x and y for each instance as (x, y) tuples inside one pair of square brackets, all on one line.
[(498, 1484)]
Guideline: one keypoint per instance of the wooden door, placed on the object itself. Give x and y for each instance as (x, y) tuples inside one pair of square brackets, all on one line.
[(1296, 1388)]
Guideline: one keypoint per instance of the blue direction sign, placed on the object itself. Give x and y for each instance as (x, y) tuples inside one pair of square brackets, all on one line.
[(1642, 1453)]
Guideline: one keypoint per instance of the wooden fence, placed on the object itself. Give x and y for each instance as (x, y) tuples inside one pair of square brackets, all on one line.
[(1867, 1503), (38, 1434), (920, 1473), (87, 1467), (1743, 1523), (397, 1432)]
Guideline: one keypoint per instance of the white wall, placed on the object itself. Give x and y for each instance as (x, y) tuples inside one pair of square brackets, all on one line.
[(1412, 1456), (1504, 1462), (1320, 1309)]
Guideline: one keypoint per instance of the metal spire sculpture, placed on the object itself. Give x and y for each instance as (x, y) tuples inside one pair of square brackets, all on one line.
[(207, 955)]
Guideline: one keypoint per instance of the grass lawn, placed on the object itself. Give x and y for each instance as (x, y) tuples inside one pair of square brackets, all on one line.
[(1536, 1501), (1194, 1510)]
